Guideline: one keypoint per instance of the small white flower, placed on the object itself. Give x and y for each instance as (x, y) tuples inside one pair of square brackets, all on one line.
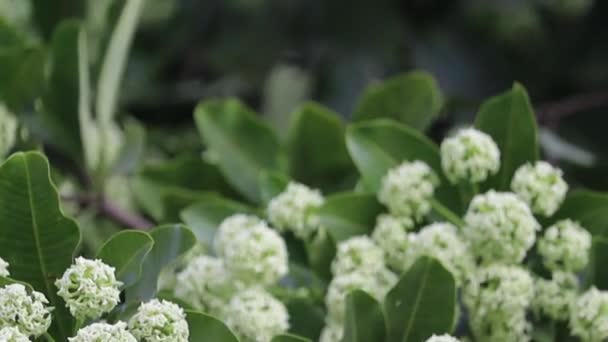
[(442, 242), (589, 316), (565, 246), (206, 284), (231, 227), (255, 315), (469, 156), (159, 321), (376, 284), (500, 227), (358, 253), (408, 189), (257, 254), (291, 210), (332, 333), (390, 234), (541, 186), (12, 334), (497, 297), (27, 311), (105, 332), (554, 297), (442, 338), (4, 268), (89, 288)]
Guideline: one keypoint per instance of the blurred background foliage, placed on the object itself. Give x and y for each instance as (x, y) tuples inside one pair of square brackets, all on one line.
[(277, 54)]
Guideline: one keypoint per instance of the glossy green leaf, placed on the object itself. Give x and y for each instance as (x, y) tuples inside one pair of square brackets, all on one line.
[(349, 214), (321, 250), (206, 328), (413, 99), (380, 145), (509, 119), (364, 320), (48, 15), (306, 319), (170, 242), (22, 77), (204, 217), (316, 149), (271, 184), (36, 239), (422, 303), (126, 251), (290, 338), (588, 208), (243, 144), (598, 275)]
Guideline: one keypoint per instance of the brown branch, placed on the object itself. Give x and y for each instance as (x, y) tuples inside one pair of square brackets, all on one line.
[(552, 113), (111, 211)]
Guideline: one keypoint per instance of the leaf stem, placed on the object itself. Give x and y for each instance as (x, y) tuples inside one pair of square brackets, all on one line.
[(77, 326), (48, 337), (446, 213)]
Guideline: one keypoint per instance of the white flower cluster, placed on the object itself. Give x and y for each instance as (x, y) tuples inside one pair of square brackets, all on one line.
[(589, 316), (27, 311), (12, 334), (541, 186), (104, 332), (357, 253), (4, 268), (500, 227), (407, 190), (554, 297), (442, 338), (331, 333), (390, 234), (565, 246), (256, 315), (442, 242), (497, 298), (89, 288), (291, 210), (206, 284), (469, 156), (159, 321), (251, 250)]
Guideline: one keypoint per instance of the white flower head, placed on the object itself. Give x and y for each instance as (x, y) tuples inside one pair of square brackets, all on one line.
[(541, 186), (469, 156), (589, 316), (442, 242), (390, 234), (159, 321), (257, 254), (12, 334), (376, 284), (4, 268), (408, 188), (231, 227), (255, 315), (500, 227), (565, 246), (98, 332), (554, 297), (497, 297), (206, 284), (332, 333), (292, 210), (358, 253), (442, 338), (26, 311), (89, 288)]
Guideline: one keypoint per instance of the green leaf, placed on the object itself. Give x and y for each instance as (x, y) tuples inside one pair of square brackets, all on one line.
[(126, 251), (306, 319), (133, 149), (422, 303), (244, 145), (115, 61), (204, 217), (588, 208), (290, 338), (22, 77), (204, 327), (170, 242), (349, 214), (271, 185), (47, 15), (598, 276), (364, 320), (413, 99), (509, 119), (321, 250), (313, 129), (380, 145), (36, 239)]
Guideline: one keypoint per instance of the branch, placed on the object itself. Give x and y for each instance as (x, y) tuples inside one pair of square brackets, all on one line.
[(552, 113), (111, 211)]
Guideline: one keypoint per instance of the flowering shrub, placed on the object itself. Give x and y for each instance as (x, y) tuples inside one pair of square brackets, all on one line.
[(362, 232)]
